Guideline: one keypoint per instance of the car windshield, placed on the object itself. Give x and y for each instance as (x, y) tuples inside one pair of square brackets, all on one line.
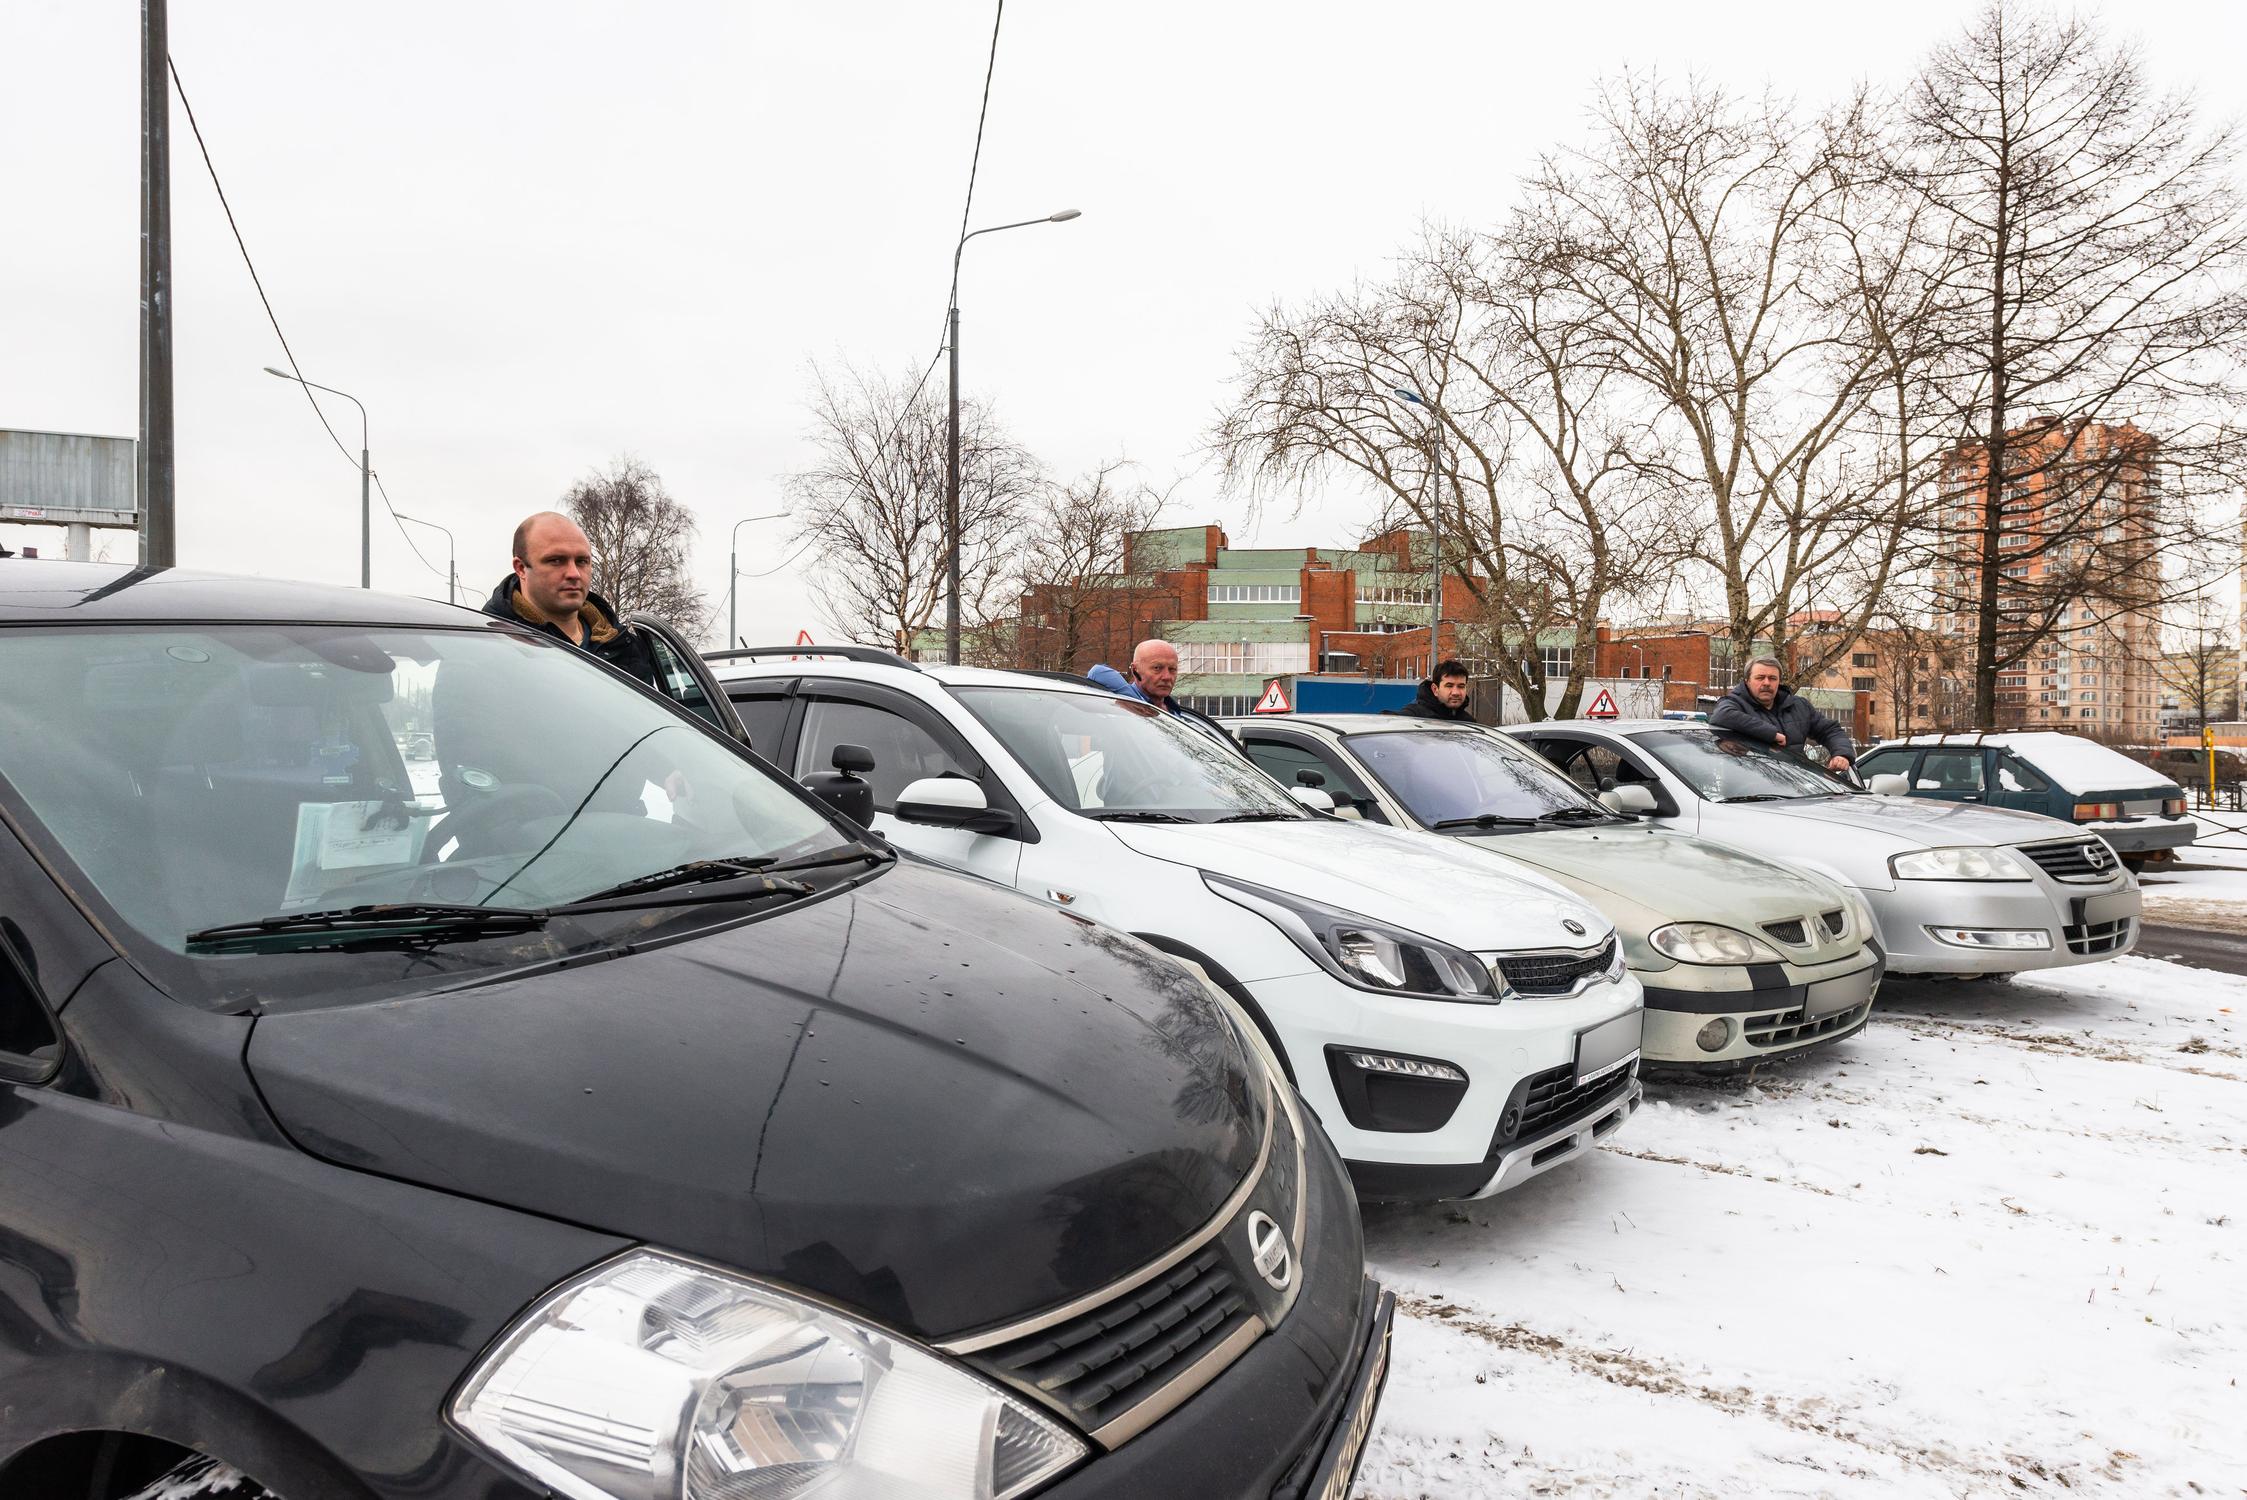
[(1120, 759), (214, 775), (1724, 769), (1447, 776)]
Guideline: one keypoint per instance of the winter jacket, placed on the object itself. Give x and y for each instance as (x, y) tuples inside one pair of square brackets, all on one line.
[(1426, 705), (1790, 714), (619, 645)]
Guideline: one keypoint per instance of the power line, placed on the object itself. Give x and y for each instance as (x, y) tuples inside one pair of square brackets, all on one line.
[(975, 162), (270, 317)]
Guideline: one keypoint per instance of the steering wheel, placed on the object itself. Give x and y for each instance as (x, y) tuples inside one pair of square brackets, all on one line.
[(476, 829)]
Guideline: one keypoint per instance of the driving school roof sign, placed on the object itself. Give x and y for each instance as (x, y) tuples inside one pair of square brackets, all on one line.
[(1274, 700), (1603, 706)]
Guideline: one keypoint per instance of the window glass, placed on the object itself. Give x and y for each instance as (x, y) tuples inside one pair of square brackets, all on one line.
[(1884, 763), (762, 715), (903, 751), (2017, 775), (1951, 770), (1442, 776), (676, 679), (206, 776), (1594, 768), (1724, 769), (1104, 756), (1281, 759)]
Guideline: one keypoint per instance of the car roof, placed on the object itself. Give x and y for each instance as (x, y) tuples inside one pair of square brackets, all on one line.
[(1616, 726), (1373, 723), (897, 674), (45, 592)]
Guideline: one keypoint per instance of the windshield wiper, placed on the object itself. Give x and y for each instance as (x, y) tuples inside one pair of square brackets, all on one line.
[(700, 871), (415, 921), (1575, 815), (1482, 820), (1261, 815), (1136, 815), (1759, 797)]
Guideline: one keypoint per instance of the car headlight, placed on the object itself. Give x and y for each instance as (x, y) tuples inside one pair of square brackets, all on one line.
[(653, 1378), (1371, 955), (1707, 943), (1958, 864)]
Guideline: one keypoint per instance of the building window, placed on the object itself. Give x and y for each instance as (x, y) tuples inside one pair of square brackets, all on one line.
[(1394, 593), (1860, 684), (1863, 659), (1272, 658), (1219, 704), (1255, 593), (1557, 661), (2087, 713)]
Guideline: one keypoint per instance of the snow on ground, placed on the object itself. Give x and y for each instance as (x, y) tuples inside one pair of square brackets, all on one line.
[(2206, 885), (1993, 1245)]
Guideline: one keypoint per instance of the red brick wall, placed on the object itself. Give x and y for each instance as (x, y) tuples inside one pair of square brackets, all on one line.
[(1330, 599)]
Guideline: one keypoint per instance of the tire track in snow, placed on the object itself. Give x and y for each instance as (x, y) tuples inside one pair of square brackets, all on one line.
[(2063, 1044)]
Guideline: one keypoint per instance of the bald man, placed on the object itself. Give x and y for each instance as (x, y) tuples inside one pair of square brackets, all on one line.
[(551, 590), (1154, 674)]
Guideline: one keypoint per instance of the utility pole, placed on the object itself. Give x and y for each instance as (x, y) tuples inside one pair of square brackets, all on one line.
[(952, 493), (153, 458)]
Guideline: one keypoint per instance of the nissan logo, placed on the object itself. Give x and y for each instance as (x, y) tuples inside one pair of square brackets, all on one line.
[(1573, 925), (1267, 1248)]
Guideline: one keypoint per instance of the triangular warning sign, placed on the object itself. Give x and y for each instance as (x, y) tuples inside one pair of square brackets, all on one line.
[(803, 638), (1274, 700), (1603, 706)]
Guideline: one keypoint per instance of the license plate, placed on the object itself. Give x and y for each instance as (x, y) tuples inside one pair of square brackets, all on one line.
[(1342, 1460), (2112, 907), (1607, 1044), (1846, 993)]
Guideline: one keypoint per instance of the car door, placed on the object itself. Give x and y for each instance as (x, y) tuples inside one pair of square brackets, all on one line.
[(1952, 773), (1280, 754), (2016, 783), (1897, 760), (683, 677), (909, 741), (1599, 764)]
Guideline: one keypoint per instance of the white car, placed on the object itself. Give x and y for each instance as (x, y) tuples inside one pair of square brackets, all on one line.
[(1457, 1028), (1742, 958), (1956, 889)]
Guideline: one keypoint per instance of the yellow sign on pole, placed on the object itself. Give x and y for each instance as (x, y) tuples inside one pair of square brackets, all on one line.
[(2208, 754)]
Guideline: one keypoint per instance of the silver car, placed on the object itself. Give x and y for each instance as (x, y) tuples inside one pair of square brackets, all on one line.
[(1742, 958), (1957, 889)]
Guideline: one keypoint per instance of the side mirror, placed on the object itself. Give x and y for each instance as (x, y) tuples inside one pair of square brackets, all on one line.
[(843, 790), (952, 802), (1629, 798), (1311, 797), (1889, 784), (1309, 777)]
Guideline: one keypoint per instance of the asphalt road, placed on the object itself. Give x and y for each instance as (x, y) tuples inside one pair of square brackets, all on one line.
[(2224, 952)]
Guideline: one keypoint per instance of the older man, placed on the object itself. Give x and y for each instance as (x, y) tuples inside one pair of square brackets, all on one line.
[(1763, 710), (1154, 675), (551, 590)]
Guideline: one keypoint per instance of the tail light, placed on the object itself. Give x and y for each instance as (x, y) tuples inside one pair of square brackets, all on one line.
[(2174, 807), (2097, 812)]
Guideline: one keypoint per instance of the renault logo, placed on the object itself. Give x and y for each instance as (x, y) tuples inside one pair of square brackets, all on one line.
[(1267, 1248), (1573, 925)]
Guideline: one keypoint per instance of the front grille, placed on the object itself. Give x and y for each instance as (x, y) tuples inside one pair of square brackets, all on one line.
[(2097, 937), (1555, 1099), (2086, 861), (1554, 973), (1784, 1028), (1790, 932), (1837, 921), (1102, 1363)]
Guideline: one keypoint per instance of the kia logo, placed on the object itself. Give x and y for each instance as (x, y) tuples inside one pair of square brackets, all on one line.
[(1267, 1248), (1573, 925)]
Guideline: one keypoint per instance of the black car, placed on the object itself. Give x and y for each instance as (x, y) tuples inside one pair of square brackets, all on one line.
[(586, 1110)]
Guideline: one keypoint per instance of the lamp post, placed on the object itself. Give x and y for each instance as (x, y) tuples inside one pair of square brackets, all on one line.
[(733, 574), (952, 433), (366, 509), (452, 559), (1435, 510)]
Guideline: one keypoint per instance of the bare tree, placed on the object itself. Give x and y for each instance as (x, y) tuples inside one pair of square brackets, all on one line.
[(2093, 241), (1079, 600), (872, 507), (2202, 666), (642, 539)]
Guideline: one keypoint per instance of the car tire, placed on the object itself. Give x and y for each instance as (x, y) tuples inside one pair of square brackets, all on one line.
[(201, 1478)]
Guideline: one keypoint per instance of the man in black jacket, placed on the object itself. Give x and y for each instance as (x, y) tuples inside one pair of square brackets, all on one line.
[(1441, 696), (551, 590), (1762, 710)]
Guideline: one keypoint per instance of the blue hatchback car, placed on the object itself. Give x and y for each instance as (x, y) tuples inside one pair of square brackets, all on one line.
[(2139, 812)]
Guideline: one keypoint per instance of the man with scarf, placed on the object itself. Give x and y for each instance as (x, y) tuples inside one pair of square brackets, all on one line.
[(551, 590)]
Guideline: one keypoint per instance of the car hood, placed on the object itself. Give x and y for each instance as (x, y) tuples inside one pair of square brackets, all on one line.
[(1666, 876), (1418, 881), (926, 1098), (1917, 821)]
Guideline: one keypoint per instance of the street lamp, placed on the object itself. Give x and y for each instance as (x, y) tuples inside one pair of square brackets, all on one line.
[(733, 574), (452, 560), (1435, 540), (366, 509), (952, 434)]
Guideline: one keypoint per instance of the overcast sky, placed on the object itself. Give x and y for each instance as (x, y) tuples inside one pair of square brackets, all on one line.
[(531, 236)]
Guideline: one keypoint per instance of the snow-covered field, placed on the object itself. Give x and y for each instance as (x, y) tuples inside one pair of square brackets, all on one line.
[(1995, 1245), (2207, 886)]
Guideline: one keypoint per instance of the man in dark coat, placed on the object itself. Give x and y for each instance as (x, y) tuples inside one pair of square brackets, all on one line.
[(1762, 710), (1441, 696), (551, 590)]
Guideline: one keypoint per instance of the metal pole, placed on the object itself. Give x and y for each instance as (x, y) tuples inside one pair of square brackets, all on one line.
[(1435, 603), (153, 459), (733, 586), (366, 519), (952, 499)]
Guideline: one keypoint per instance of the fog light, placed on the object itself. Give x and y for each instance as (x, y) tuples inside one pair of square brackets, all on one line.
[(1714, 1036), (1993, 937), (1407, 1067)]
